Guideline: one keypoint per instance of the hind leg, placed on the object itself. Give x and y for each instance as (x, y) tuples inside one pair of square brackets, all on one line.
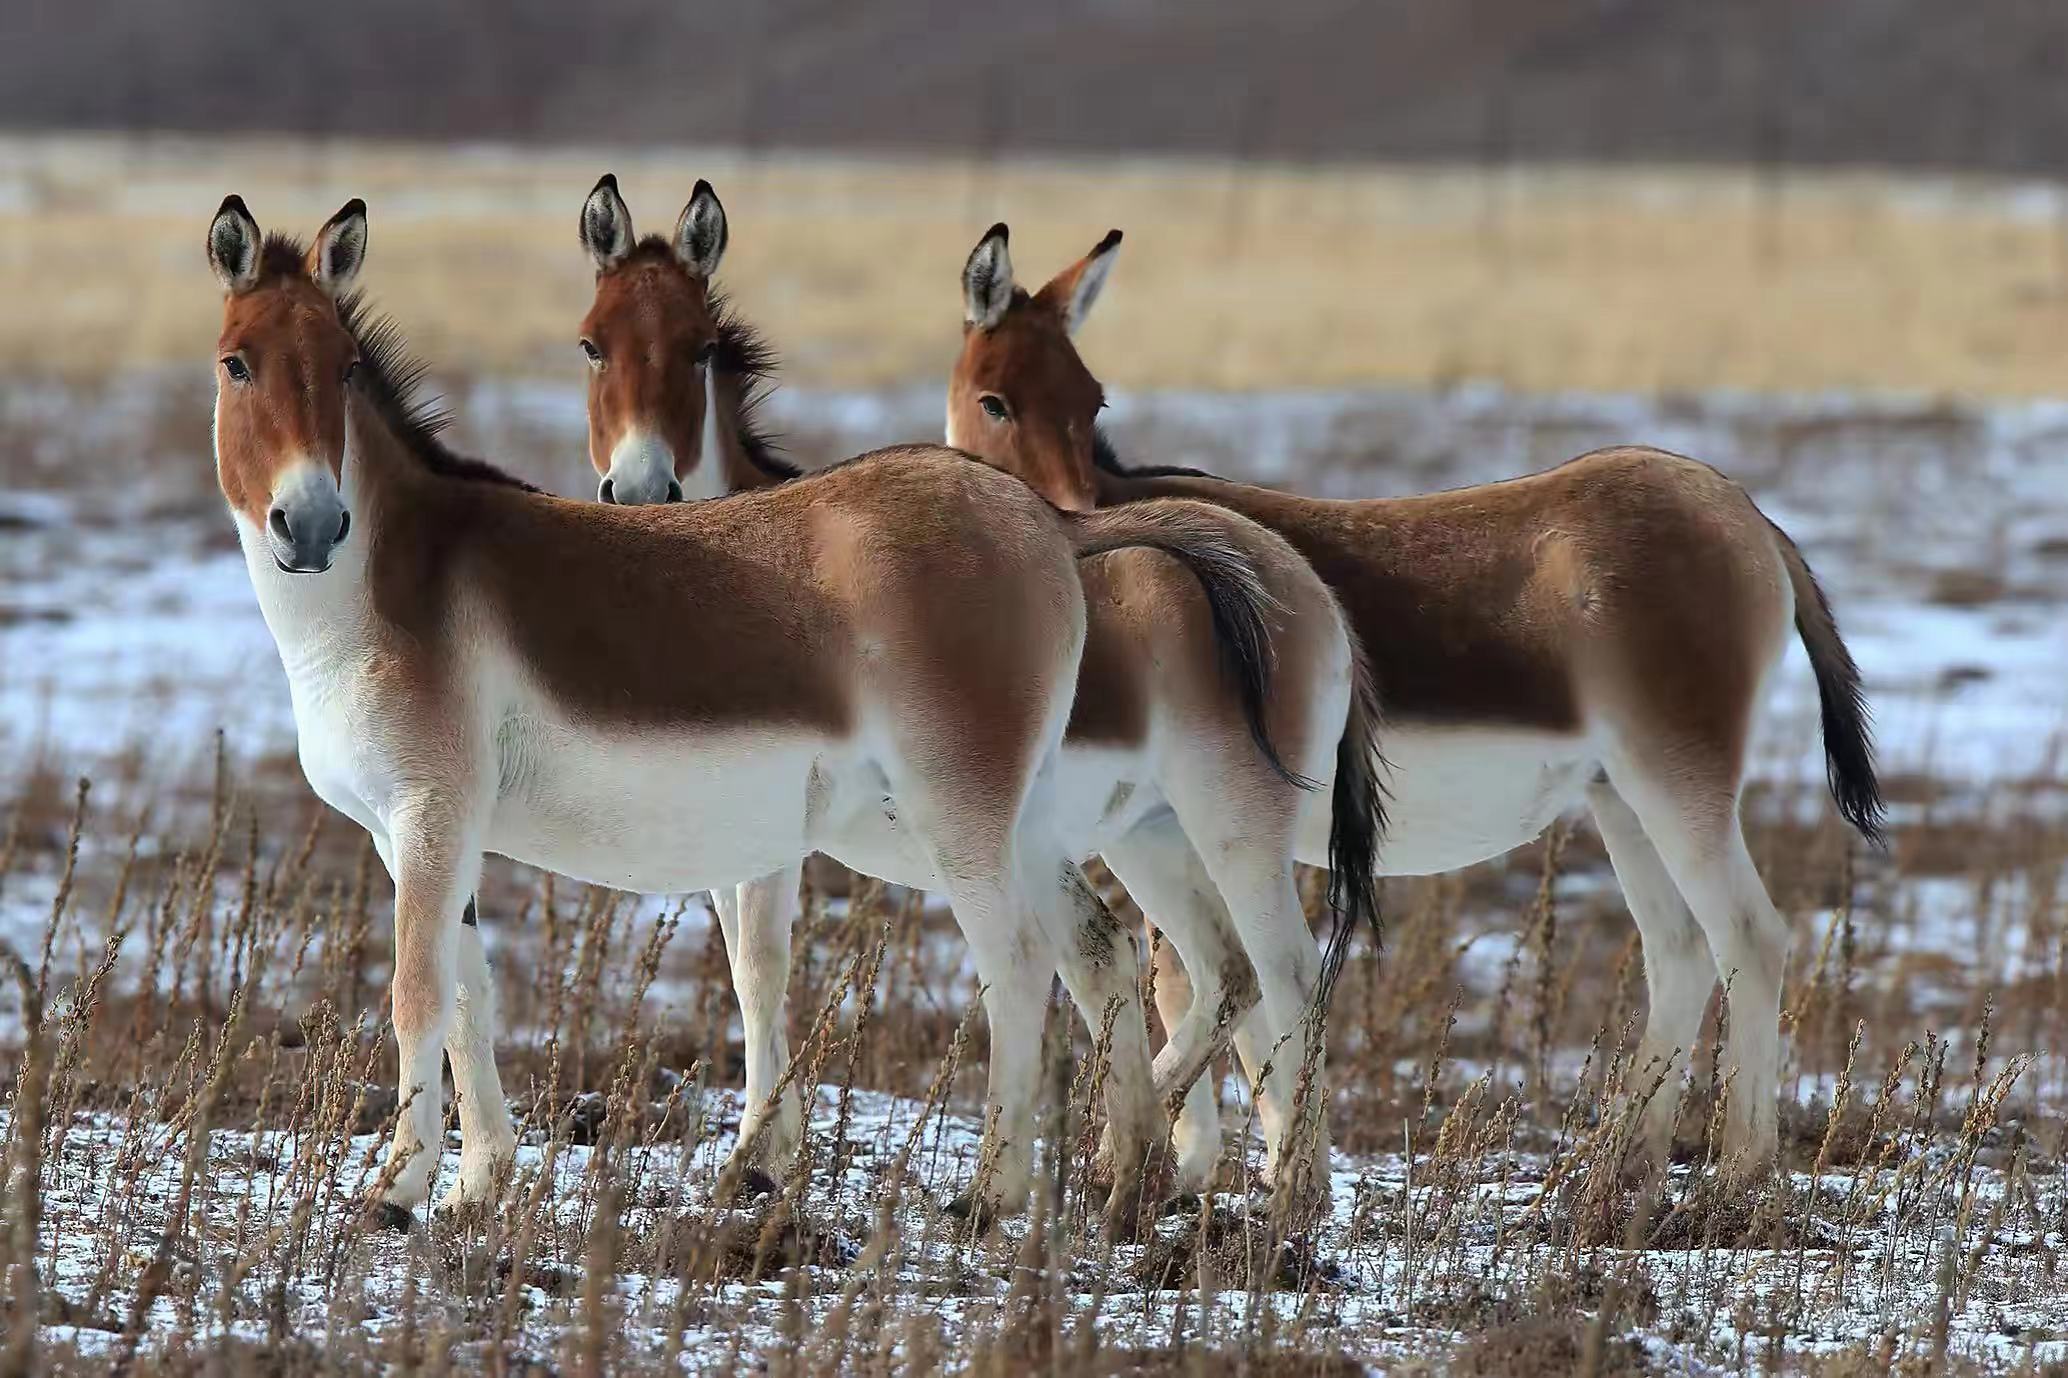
[(1257, 883), (757, 918), (1097, 959), (1196, 1136), (1015, 968), (1697, 836), (1679, 973), (1201, 975)]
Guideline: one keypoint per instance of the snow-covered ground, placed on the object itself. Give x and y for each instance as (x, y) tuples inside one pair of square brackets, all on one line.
[(129, 638), (1416, 1254)]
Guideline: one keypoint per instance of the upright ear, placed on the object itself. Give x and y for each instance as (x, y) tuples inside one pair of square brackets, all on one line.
[(340, 249), (1071, 292), (987, 280), (606, 224), (700, 233), (233, 245)]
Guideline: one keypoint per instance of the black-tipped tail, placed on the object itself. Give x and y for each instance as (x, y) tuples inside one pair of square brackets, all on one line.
[(1848, 725), (1357, 821)]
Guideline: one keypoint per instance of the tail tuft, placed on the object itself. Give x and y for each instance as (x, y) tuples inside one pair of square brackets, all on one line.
[(1847, 723), (1356, 824)]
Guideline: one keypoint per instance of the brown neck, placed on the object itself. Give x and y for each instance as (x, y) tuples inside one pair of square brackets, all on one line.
[(377, 462)]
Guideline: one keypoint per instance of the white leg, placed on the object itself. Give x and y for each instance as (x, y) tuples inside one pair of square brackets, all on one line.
[(1196, 1137), (757, 921), (1257, 883), (488, 1140), (1015, 969), (1679, 973), (1163, 873), (436, 869), (1700, 841), (1097, 959)]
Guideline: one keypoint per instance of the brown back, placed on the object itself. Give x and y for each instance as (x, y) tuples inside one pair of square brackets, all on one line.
[(1494, 648)]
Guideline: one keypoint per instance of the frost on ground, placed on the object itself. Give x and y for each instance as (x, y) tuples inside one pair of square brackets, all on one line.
[(1484, 1214), (220, 960), (1941, 1244)]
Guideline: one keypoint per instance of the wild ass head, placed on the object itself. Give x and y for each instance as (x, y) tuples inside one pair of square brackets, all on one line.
[(284, 364), (1020, 396), (650, 339)]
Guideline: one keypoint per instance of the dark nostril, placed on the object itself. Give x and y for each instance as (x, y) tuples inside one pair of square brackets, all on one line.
[(344, 526), (278, 522), (605, 492), (674, 491)]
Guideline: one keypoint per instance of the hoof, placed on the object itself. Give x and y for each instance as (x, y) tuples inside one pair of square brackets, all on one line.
[(475, 1187), (390, 1215), (1194, 1171), (754, 1182), (1123, 1220), (465, 1212), (738, 1182), (980, 1214), (1184, 1203), (1643, 1169), (1749, 1174)]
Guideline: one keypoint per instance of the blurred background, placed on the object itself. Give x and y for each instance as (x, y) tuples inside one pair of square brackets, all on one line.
[(1372, 248)]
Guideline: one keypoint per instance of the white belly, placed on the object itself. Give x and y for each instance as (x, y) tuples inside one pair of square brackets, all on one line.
[(652, 812), (1461, 795), (1090, 797)]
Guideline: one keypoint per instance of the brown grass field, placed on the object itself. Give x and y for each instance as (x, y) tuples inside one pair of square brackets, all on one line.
[(196, 1076), (1234, 276), (203, 1088)]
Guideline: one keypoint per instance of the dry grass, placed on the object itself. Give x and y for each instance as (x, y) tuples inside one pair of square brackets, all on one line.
[(200, 1106), (1236, 276), (192, 1120)]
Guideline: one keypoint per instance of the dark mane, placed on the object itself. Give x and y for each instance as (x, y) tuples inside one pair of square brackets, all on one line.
[(391, 378), (1104, 456), (743, 352)]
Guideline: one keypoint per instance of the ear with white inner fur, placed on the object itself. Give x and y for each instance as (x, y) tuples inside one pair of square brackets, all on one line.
[(606, 224), (987, 280), (1077, 287), (700, 233), (233, 245), (340, 249)]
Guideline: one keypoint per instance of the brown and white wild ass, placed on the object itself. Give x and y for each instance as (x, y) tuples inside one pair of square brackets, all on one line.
[(1603, 630), (1160, 772), (659, 699)]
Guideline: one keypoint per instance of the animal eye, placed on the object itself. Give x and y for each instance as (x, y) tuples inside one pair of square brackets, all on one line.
[(351, 369), (234, 366), (707, 354), (589, 348), (993, 405)]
